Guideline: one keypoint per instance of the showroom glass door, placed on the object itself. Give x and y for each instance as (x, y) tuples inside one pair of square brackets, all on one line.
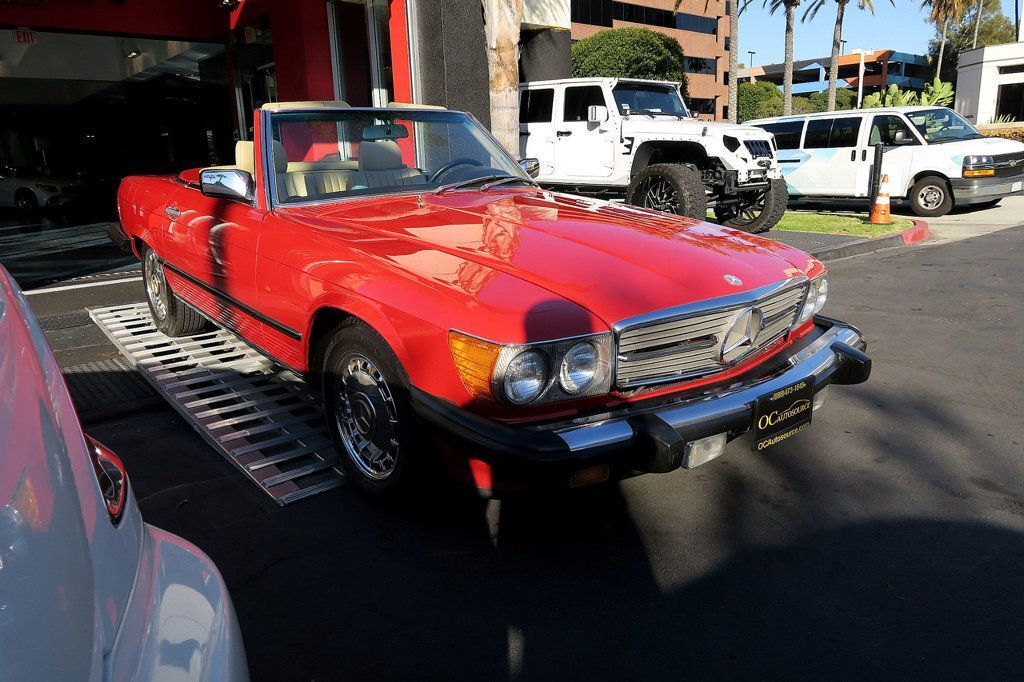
[(79, 112)]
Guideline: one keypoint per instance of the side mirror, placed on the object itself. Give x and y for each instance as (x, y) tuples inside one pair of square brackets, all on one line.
[(226, 183), (901, 138), (625, 110), (597, 114), (531, 166)]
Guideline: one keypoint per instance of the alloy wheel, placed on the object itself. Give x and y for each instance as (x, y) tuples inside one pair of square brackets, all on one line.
[(367, 418), (747, 207), (659, 194), (156, 285)]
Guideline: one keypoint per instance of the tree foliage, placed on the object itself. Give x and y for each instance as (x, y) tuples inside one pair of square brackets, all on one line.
[(757, 100), (937, 93), (630, 53), (996, 28)]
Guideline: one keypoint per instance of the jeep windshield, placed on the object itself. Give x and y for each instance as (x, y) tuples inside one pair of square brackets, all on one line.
[(942, 125), (341, 153), (650, 99)]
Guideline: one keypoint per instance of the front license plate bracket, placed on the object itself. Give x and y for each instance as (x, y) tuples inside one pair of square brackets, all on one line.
[(782, 414)]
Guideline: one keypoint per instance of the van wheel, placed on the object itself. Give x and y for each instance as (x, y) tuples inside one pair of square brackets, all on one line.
[(755, 210), (366, 403), (930, 197), (669, 187), (171, 315)]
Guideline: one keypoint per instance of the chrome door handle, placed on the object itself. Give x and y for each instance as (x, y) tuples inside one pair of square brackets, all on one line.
[(172, 212), (564, 133)]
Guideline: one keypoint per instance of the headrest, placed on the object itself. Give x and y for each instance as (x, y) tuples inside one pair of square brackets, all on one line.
[(380, 155), (245, 157), (280, 157)]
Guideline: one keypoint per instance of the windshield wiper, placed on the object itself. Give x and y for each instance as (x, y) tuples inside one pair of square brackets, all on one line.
[(471, 181), (505, 181)]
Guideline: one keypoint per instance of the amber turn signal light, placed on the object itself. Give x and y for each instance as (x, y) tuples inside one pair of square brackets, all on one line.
[(474, 359), (979, 172)]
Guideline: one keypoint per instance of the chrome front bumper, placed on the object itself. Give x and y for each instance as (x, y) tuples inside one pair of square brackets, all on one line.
[(700, 416)]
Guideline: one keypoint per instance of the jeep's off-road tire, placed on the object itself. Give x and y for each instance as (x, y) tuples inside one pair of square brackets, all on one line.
[(669, 187), (755, 210), (931, 197), (366, 402), (171, 315)]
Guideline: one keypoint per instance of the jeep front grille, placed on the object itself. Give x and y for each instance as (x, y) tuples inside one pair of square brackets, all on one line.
[(759, 149), (682, 343)]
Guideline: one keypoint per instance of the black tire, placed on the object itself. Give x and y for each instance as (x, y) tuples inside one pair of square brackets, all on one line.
[(669, 187), (26, 202), (757, 211), (366, 402), (171, 315), (931, 196)]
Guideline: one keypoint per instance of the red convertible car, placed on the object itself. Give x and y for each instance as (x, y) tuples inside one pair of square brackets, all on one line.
[(403, 261)]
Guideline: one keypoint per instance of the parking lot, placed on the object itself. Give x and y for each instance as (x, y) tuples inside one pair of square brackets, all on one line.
[(886, 541)]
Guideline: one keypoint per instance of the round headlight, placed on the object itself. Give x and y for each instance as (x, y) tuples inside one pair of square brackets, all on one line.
[(812, 297), (525, 377), (579, 367), (819, 301)]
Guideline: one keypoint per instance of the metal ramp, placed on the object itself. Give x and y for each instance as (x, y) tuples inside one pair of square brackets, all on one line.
[(264, 419)]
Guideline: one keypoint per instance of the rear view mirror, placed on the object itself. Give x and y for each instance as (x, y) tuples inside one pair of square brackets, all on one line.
[(226, 183), (386, 131), (597, 114), (531, 166)]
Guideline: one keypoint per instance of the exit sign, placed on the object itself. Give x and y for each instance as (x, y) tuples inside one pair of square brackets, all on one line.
[(25, 36)]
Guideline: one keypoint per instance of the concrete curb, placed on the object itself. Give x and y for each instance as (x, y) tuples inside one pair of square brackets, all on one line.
[(918, 232)]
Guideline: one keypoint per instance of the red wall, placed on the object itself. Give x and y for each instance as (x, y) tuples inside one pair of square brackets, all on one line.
[(200, 20), (302, 48)]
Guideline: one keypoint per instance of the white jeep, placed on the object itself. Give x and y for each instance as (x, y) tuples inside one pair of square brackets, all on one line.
[(635, 140)]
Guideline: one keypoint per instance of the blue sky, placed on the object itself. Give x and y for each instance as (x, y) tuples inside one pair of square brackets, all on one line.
[(903, 27)]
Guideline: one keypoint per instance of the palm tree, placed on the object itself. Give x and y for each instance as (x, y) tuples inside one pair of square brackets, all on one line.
[(787, 75), (735, 8), (837, 36), (942, 12), (977, 24)]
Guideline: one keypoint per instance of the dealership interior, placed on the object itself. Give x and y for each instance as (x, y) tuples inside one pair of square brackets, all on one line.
[(81, 110)]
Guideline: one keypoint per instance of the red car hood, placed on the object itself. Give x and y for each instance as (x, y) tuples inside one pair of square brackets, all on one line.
[(615, 261)]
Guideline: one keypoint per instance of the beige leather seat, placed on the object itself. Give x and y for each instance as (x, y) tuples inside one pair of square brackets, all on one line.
[(380, 165)]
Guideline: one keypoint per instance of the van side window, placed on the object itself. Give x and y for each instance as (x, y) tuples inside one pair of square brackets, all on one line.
[(787, 133), (884, 129), (845, 132), (829, 133), (578, 99), (535, 106)]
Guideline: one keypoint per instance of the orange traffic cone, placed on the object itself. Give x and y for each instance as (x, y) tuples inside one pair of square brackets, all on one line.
[(880, 209)]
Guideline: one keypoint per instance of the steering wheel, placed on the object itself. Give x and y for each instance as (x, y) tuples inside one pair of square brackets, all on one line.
[(453, 164)]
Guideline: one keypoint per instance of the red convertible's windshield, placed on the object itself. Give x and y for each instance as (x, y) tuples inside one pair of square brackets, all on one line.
[(340, 153)]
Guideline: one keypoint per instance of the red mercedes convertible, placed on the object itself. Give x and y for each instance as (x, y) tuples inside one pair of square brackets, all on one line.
[(406, 264)]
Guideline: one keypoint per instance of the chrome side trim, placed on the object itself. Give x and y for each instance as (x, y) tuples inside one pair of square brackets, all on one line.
[(809, 362)]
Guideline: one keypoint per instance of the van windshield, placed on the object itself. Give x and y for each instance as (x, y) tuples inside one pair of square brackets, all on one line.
[(942, 125), (650, 99)]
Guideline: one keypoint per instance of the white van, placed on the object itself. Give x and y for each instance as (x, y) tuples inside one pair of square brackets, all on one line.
[(933, 157)]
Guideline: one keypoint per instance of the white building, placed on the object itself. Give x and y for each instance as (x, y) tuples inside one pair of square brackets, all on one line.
[(990, 83)]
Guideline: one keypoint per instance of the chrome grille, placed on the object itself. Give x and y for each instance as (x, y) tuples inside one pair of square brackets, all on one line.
[(685, 342), (759, 149)]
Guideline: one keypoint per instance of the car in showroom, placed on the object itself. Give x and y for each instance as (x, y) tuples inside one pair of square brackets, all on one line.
[(400, 259), (29, 194), (88, 591)]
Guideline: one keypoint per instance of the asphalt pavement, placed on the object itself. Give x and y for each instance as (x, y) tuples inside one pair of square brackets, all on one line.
[(887, 541)]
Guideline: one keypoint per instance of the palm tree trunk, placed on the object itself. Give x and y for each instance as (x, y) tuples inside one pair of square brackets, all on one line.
[(787, 76), (977, 25), (942, 48), (502, 21), (734, 57), (833, 67)]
